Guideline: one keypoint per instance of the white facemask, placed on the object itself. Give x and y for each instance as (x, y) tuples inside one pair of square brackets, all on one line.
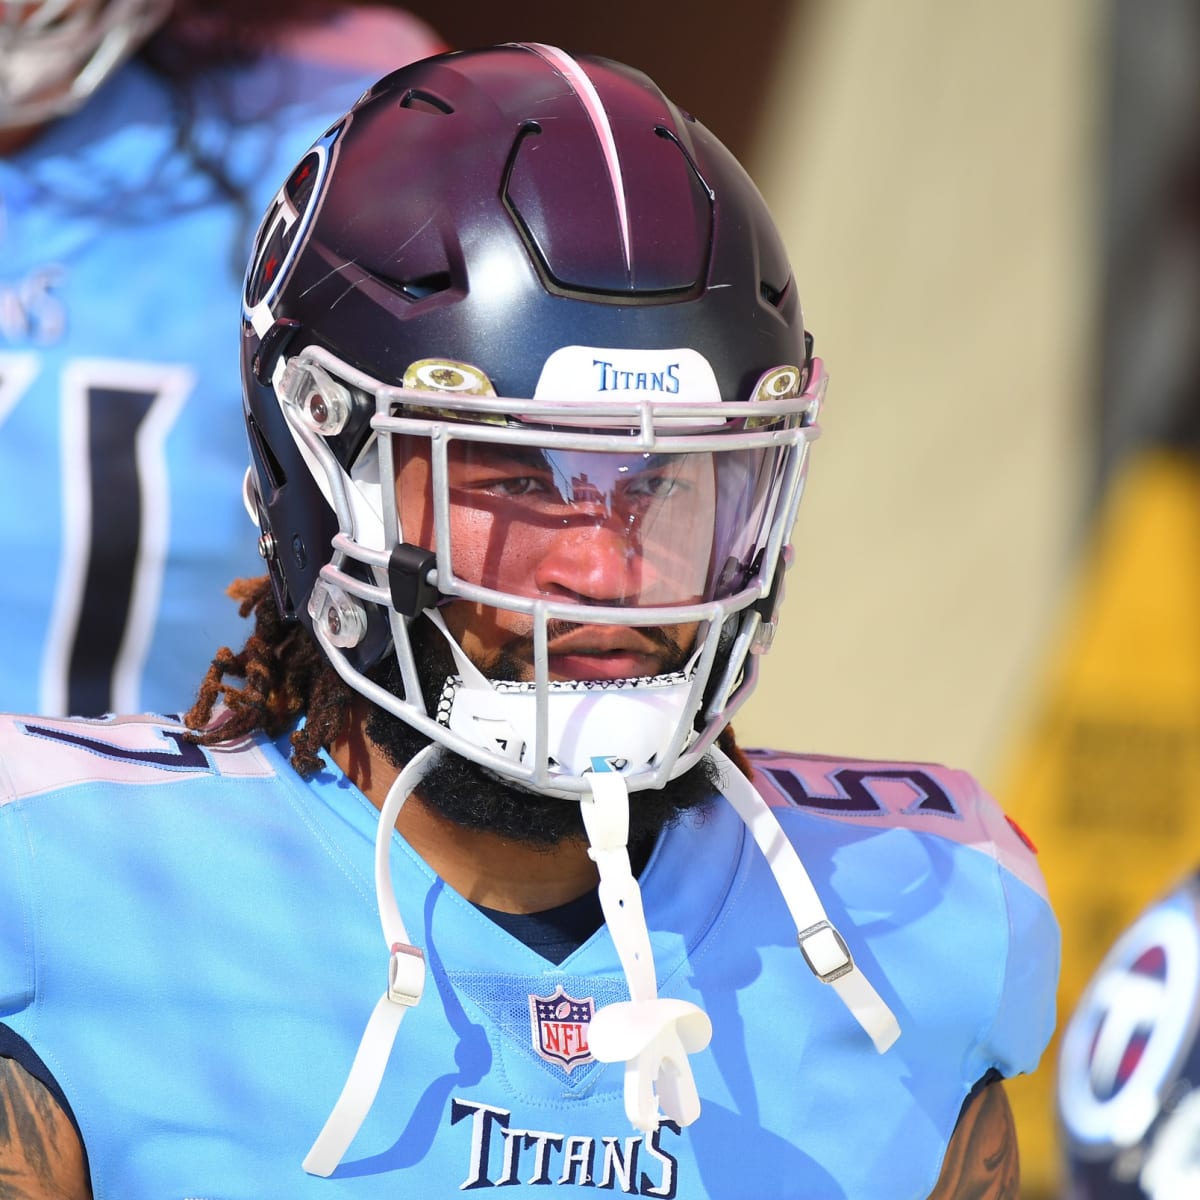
[(55, 53)]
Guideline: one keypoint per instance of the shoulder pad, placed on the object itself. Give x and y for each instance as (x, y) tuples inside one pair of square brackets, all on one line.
[(43, 754), (925, 797)]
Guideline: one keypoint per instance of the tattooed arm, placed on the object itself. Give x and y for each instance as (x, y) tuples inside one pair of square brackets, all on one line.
[(40, 1154), (981, 1161)]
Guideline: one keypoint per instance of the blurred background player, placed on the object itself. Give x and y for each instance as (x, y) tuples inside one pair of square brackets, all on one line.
[(139, 141), (1129, 1063)]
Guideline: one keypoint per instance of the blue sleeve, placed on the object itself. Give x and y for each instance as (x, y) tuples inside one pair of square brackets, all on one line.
[(16, 905), (1025, 1012)]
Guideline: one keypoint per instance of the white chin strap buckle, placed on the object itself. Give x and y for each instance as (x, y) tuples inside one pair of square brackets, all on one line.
[(406, 975), (823, 947), (405, 985), (651, 1036)]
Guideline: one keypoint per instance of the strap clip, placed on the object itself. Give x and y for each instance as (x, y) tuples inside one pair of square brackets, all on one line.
[(406, 974), (825, 951)]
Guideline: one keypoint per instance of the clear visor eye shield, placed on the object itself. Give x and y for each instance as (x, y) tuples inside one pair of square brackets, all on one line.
[(660, 517)]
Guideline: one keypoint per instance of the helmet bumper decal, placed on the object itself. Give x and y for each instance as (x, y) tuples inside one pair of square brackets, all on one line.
[(580, 375)]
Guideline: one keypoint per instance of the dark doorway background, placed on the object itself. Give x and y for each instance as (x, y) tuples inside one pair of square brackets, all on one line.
[(1148, 359), (711, 57)]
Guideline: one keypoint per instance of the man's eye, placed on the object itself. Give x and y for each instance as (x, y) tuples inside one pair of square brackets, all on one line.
[(517, 485), (654, 487)]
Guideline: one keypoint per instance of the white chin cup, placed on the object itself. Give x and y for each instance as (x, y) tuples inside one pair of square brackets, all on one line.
[(627, 726), (626, 723)]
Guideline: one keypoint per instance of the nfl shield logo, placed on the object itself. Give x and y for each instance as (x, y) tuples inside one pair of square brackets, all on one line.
[(560, 1025)]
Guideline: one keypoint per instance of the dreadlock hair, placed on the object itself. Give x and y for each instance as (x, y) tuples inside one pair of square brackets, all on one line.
[(199, 35), (288, 676)]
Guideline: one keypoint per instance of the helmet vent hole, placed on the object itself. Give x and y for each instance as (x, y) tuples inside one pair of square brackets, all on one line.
[(426, 102), (426, 285), (772, 295)]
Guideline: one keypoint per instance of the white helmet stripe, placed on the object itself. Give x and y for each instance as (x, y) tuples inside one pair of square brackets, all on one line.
[(582, 86)]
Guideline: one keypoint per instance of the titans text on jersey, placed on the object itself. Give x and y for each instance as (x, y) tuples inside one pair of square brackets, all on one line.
[(503, 1155)]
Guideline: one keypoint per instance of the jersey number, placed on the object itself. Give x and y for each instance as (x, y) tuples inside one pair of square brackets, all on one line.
[(186, 756), (114, 418), (852, 790)]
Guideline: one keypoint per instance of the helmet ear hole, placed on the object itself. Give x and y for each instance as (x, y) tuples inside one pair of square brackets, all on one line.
[(267, 467)]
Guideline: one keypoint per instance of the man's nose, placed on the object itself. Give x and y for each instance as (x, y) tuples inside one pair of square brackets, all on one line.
[(599, 563)]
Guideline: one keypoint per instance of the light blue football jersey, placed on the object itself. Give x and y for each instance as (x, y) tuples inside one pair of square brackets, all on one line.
[(122, 445), (190, 943)]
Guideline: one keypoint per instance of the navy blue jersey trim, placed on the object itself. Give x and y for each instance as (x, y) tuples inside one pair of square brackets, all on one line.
[(990, 1076), (556, 932)]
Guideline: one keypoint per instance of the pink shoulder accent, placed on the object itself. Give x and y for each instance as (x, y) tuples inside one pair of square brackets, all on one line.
[(369, 39), (922, 796), (1009, 845), (42, 754)]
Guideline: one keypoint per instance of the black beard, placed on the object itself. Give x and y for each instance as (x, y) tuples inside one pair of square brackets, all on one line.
[(471, 796)]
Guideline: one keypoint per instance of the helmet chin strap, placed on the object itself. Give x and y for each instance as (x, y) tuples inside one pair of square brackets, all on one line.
[(823, 947), (406, 983), (653, 1036)]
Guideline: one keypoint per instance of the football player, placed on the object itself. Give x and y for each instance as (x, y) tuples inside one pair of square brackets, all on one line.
[(1129, 1063), (455, 876), (129, 192)]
